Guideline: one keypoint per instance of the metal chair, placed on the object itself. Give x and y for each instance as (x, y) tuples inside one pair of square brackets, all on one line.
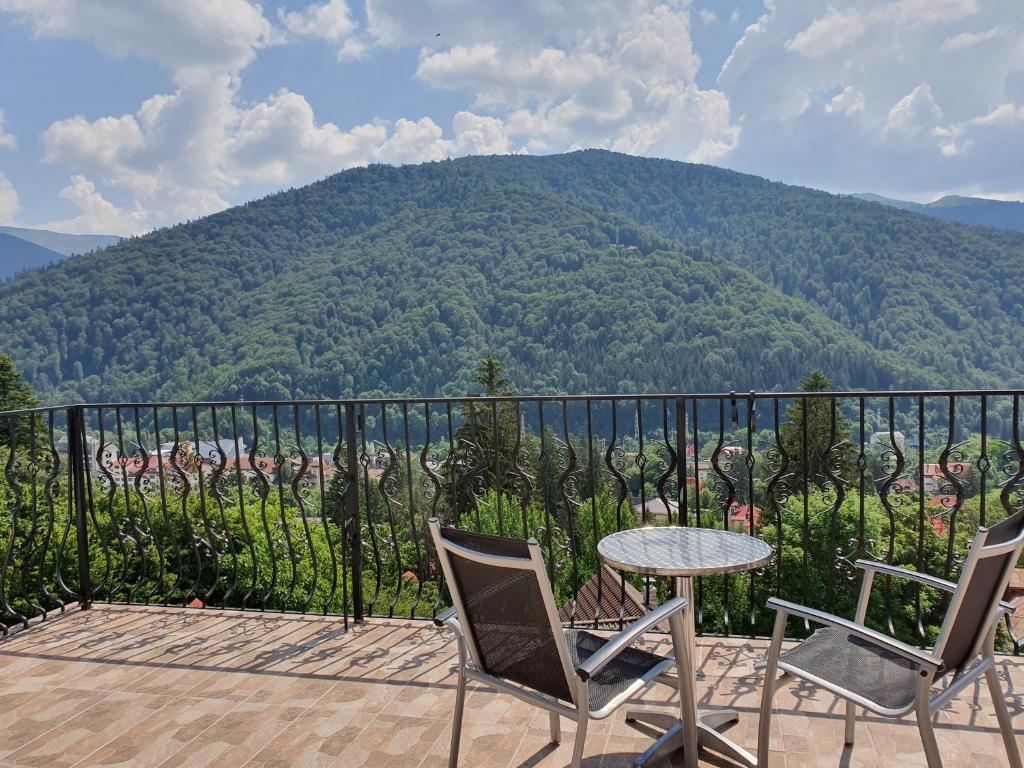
[(510, 637), (888, 677)]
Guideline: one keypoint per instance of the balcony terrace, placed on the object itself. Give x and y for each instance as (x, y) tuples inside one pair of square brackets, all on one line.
[(152, 686), (260, 578)]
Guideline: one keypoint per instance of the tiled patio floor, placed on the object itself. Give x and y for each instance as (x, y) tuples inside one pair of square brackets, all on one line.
[(134, 686)]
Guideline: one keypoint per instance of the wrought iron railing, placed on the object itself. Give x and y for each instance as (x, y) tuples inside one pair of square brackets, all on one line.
[(321, 506)]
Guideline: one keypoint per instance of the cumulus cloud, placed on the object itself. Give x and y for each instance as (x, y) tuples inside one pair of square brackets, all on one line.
[(7, 140), (832, 32), (9, 203), (968, 39), (911, 109), (186, 36), (331, 21), (624, 80), (914, 113), (184, 155), (849, 102), (707, 16), (97, 216)]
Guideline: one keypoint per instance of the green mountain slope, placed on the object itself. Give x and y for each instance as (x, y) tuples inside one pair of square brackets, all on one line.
[(17, 255), (943, 297), (398, 281), (62, 243)]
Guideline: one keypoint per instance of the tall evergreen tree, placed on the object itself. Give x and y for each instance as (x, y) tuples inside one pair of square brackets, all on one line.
[(16, 395), (485, 442), (827, 450)]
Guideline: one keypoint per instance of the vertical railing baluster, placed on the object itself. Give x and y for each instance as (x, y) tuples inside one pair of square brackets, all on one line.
[(682, 493), (144, 523), (750, 463), (420, 571), (322, 486), (918, 614), (262, 482), (242, 514), (299, 487), (592, 477), (77, 481), (371, 531), (352, 516), (699, 617)]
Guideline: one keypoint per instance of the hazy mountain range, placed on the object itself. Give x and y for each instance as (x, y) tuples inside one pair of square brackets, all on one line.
[(1003, 214), (22, 248)]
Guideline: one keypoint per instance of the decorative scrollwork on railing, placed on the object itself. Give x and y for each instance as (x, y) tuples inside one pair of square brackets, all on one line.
[(845, 558), (722, 483)]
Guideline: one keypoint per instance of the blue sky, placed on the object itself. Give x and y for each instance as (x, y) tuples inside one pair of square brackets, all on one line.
[(124, 115)]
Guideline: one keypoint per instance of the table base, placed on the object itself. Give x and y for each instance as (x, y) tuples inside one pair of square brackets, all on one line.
[(709, 721)]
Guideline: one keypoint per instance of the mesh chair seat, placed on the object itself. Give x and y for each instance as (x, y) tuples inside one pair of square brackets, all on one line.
[(622, 671), (856, 665)]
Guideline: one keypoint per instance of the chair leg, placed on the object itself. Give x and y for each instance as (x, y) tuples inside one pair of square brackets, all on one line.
[(460, 705), (581, 738), (764, 724), (924, 725), (851, 721), (1003, 717), (556, 728)]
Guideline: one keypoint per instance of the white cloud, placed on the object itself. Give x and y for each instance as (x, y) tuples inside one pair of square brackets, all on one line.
[(915, 113), (186, 36), (9, 204), (849, 102), (968, 39), (832, 32), (836, 30), (624, 80), (331, 21), (97, 216), (185, 154), (707, 16), (735, 15), (8, 140), (869, 60)]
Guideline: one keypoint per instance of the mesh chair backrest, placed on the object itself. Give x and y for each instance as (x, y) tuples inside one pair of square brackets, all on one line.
[(505, 613), (980, 589)]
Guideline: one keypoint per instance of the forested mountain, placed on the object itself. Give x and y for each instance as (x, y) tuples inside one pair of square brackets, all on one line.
[(17, 255), (61, 242), (584, 272), (1003, 214)]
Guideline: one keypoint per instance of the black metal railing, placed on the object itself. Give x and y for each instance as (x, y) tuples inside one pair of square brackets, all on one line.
[(321, 506)]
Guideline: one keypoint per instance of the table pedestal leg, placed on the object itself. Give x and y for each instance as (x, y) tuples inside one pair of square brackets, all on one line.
[(693, 729)]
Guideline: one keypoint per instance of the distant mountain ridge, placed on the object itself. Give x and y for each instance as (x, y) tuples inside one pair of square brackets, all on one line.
[(17, 255), (981, 211), (22, 248), (61, 242)]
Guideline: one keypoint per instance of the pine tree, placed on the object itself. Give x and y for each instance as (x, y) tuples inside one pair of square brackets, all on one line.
[(16, 395), (828, 449)]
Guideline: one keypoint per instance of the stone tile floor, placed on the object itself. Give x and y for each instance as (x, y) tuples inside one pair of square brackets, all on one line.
[(148, 686)]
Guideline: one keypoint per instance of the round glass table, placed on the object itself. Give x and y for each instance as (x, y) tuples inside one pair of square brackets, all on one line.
[(682, 553)]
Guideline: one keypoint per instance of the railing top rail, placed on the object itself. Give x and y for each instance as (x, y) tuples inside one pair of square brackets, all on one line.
[(738, 395)]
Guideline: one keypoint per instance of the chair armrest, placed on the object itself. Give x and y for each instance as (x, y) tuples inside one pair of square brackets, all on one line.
[(924, 658), (449, 619), (624, 639), (903, 573)]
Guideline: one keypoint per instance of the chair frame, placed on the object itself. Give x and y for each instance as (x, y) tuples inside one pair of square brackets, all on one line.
[(930, 664), (471, 666)]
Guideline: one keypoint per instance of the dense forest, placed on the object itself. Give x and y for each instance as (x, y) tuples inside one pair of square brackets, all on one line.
[(583, 272)]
